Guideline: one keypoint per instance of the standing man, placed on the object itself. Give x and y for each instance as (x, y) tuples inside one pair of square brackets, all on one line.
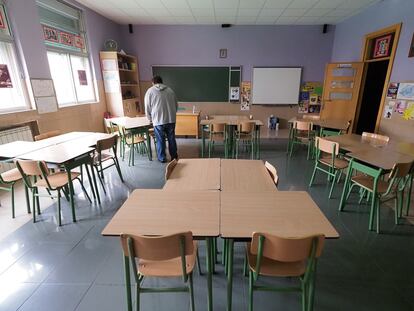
[(161, 109)]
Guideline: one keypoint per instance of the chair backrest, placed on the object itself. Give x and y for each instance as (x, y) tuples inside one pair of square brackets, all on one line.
[(107, 143), (375, 137), (327, 146), (47, 135), (246, 127), (302, 125), (110, 127), (160, 247), (169, 168), (400, 170), (272, 172), (311, 117), (32, 168), (218, 127), (287, 249)]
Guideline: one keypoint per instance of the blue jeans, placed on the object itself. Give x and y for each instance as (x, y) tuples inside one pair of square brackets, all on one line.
[(162, 131)]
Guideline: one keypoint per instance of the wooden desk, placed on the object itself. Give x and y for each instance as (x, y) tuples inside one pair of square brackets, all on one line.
[(245, 175), (158, 212), (334, 124), (16, 148), (356, 143), (381, 158), (187, 123), (195, 174), (284, 213)]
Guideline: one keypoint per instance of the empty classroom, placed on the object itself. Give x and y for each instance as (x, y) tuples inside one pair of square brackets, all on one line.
[(206, 155)]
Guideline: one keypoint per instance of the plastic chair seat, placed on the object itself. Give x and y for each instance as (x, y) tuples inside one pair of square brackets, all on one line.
[(57, 180), (338, 164), (167, 268), (368, 183), (270, 267), (11, 175)]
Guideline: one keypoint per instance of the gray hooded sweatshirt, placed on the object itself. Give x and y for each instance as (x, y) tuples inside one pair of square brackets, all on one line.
[(160, 104)]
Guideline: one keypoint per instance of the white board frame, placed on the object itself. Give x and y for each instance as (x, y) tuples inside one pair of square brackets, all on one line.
[(273, 98)]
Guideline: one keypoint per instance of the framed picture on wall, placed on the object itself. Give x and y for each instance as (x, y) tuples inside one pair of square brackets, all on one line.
[(382, 46), (50, 34), (411, 51), (2, 24)]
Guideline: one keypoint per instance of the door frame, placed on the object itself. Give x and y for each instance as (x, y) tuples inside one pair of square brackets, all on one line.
[(365, 57)]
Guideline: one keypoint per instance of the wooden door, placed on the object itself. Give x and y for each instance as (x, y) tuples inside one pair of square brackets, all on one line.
[(341, 90)]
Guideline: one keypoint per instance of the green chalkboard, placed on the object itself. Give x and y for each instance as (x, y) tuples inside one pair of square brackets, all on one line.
[(199, 84)]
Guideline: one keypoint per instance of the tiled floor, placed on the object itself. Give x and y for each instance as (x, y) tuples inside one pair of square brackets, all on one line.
[(43, 267)]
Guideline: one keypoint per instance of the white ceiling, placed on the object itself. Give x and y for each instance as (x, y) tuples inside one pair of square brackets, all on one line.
[(238, 12)]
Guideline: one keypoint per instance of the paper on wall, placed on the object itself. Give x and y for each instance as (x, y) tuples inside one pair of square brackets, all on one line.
[(409, 112), (111, 81), (392, 90), (400, 106), (389, 108), (406, 91), (245, 96), (234, 93), (109, 64)]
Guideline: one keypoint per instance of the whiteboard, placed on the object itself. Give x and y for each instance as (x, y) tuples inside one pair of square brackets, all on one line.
[(276, 85)]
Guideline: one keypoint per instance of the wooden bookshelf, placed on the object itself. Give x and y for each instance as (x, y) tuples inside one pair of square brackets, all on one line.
[(121, 82)]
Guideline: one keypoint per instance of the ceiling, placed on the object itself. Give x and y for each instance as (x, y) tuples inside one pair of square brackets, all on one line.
[(237, 12)]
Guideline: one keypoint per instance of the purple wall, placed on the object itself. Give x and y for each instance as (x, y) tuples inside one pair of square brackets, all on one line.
[(350, 33), (29, 39), (247, 46)]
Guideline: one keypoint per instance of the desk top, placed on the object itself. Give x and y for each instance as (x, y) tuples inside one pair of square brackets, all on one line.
[(16, 148), (57, 154), (284, 213), (381, 157), (325, 123), (159, 212), (245, 175), (230, 121), (356, 143), (195, 174), (130, 123)]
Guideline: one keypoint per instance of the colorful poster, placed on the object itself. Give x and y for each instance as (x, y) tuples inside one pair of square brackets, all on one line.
[(50, 34), (406, 91), (313, 100), (304, 96), (2, 24), (234, 93), (303, 108), (66, 38), (392, 90), (389, 108), (5, 80), (245, 96), (400, 106), (83, 80), (79, 43), (409, 112), (382, 46)]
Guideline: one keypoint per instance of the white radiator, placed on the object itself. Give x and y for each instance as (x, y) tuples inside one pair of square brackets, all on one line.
[(10, 135)]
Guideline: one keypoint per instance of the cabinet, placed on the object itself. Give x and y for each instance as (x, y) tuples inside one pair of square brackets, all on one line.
[(121, 83), (187, 124)]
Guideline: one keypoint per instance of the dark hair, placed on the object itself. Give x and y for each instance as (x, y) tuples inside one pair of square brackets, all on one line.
[(156, 79)]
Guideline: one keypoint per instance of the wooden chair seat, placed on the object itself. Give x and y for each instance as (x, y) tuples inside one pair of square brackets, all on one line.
[(104, 157), (270, 267), (137, 139), (167, 268), (11, 175), (57, 180), (217, 136), (338, 163), (368, 183)]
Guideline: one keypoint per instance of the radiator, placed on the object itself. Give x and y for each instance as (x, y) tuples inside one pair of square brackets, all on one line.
[(10, 135)]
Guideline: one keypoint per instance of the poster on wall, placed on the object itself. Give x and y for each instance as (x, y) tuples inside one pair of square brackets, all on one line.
[(406, 91), (382, 46), (66, 38), (245, 96), (5, 80), (400, 106), (392, 90), (409, 112), (50, 34), (79, 43), (234, 93), (83, 80), (2, 24), (388, 110)]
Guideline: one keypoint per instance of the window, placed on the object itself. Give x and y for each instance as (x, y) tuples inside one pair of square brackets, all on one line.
[(12, 92), (67, 53)]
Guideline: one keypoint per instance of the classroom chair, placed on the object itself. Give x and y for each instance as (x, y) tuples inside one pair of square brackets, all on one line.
[(274, 256), (110, 128), (162, 256), (36, 174), (272, 172), (328, 161), (245, 133), (8, 180), (218, 133), (101, 157), (169, 168), (381, 190), (135, 141), (375, 138), (301, 134), (47, 135)]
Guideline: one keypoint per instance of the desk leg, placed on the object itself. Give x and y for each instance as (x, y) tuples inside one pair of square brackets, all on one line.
[(26, 193), (203, 141), (410, 187), (230, 249), (90, 181), (95, 185), (209, 264), (149, 145), (71, 195), (127, 283)]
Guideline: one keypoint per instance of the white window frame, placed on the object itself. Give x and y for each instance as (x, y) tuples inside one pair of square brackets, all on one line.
[(68, 53), (21, 83)]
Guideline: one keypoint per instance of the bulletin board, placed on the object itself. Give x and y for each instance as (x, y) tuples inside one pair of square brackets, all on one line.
[(44, 95)]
